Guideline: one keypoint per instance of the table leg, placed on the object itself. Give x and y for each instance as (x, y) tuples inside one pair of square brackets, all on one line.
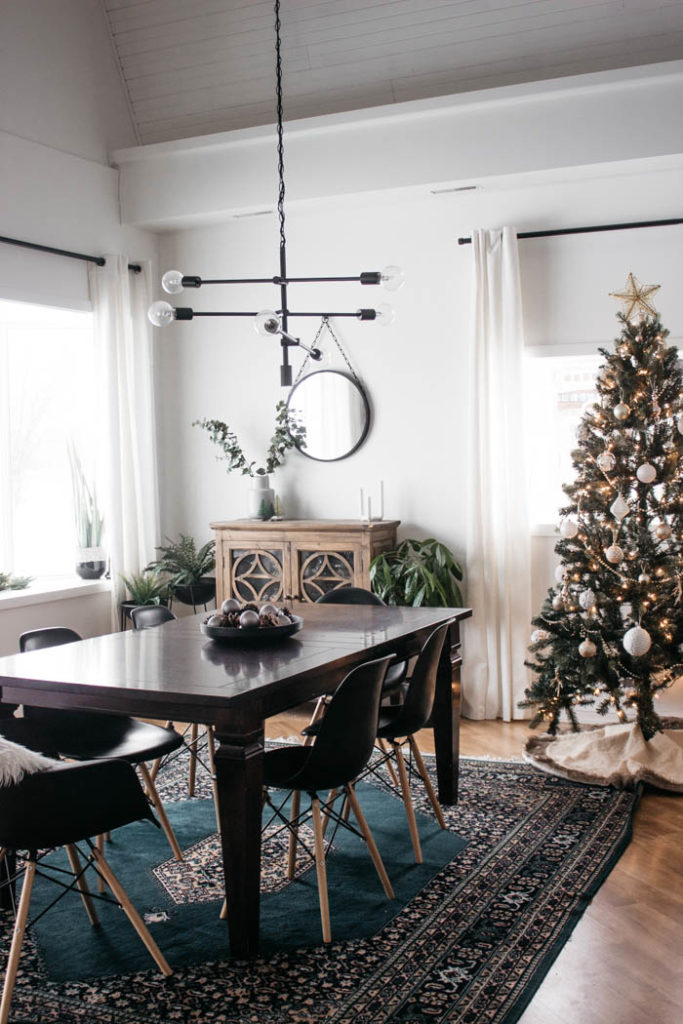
[(239, 779), (446, 718)]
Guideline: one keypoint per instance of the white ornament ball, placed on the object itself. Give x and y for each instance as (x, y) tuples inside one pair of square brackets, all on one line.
[(663, 531), (679, 423), (587, 599), (644, 577), (558, 603), (569, 528), (646, 473), (606, 462), (539, 635), (587, 649), (637, 642), (622, 411), (248, 619), (614, 554), (560, 573)]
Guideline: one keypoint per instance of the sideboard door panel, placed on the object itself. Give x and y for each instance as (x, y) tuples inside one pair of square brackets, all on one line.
[(318, 571), (257, 574)]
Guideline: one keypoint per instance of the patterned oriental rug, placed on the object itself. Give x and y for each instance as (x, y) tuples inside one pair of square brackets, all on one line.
[(469, 939)]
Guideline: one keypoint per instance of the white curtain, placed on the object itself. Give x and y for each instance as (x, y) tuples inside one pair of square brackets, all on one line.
[(125, 369), (498, 558)]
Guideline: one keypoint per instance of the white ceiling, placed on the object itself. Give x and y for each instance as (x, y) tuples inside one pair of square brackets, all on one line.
[(192, 67)]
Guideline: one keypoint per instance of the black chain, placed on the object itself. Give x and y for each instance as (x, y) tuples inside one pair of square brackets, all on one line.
[(280, 147), (325, 323)]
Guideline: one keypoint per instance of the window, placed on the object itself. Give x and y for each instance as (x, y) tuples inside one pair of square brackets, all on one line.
[(558, 388), (48, 397)]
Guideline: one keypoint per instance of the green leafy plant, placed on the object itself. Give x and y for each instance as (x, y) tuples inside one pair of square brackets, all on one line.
[(89, 519), (146, 587), (183, 561), (10, 582), (417, 572), (289, 433)]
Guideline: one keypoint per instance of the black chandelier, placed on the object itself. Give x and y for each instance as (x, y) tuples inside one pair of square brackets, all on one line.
[(276, 322)]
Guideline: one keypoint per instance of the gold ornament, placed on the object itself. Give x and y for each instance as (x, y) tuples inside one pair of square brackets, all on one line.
[(635, 298)]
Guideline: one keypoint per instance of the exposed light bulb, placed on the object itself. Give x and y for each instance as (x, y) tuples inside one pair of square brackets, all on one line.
[(267, 323), (385, 314), (392, 278), (161, 313), (172, 282)]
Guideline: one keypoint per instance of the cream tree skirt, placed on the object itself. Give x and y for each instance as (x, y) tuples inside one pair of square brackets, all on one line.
[(613, 755)]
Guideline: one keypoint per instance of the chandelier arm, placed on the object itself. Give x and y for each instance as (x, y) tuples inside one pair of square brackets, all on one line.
[(359, 314), (367, 277)]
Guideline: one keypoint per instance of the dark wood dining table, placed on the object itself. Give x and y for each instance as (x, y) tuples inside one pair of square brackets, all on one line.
[(174, 672)]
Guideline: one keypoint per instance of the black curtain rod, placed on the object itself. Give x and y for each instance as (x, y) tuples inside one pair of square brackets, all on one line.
[(585, 231), (99, 260)]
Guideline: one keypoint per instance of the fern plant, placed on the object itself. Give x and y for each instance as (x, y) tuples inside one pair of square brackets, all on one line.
[(417, 572), (10, 582), (183, 561), (146, 587)]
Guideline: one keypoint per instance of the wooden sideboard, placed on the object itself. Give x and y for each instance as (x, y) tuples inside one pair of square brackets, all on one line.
[(296, 559)]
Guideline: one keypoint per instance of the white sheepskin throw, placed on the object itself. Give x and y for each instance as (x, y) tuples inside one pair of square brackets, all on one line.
[(17, 761)]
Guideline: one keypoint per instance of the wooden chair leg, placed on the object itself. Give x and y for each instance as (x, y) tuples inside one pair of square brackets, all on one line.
[(194, 737), (81, 884), (99, 843), (131, 913), (408, 803), (294, 832), (17, 941), (161, 811), (424, 775), (157, 764), (372, 846), (211, 752), (321, 869), (382, 744), (317, 713), (224, 911)]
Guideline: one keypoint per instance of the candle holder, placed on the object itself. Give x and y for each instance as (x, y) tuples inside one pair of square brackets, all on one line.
[(366, 513)]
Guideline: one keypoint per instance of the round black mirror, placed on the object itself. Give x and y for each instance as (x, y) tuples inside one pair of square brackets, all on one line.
[(335, 411)]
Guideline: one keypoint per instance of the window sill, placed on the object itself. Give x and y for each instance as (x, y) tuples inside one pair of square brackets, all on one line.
[(54, 589)]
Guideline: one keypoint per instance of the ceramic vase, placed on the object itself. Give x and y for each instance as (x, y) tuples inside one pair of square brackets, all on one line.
[(260, 498)]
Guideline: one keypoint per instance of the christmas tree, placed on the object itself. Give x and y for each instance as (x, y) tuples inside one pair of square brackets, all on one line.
[(611, 632)]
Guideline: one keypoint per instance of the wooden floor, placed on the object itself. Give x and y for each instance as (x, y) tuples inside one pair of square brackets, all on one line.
[(623, 963)]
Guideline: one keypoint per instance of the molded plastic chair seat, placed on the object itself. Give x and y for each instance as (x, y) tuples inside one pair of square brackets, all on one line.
[(85, 735), (145, 616), (339, 754), (92, 735), (397, 726), (61, 806)]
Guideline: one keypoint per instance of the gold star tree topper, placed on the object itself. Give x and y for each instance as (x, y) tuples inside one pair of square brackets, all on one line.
[(636, 298)]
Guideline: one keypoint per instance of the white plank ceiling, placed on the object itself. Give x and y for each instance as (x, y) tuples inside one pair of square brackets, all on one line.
[(192, 67)]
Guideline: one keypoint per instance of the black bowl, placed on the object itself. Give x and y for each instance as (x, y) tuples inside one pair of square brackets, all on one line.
[(251, 636)]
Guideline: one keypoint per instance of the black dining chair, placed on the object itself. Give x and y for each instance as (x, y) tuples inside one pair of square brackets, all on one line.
[(398, 725), (396, 673), (341, 750), (65, 805), (148, 616), (92, 735)]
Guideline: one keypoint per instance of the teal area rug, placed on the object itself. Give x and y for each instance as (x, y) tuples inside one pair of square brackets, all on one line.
[(181, 902), (470, 945)]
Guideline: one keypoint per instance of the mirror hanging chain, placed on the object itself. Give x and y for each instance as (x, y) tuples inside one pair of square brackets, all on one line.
[(325, 323)]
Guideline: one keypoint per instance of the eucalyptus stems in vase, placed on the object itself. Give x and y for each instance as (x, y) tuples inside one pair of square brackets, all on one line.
[(289, 433)]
